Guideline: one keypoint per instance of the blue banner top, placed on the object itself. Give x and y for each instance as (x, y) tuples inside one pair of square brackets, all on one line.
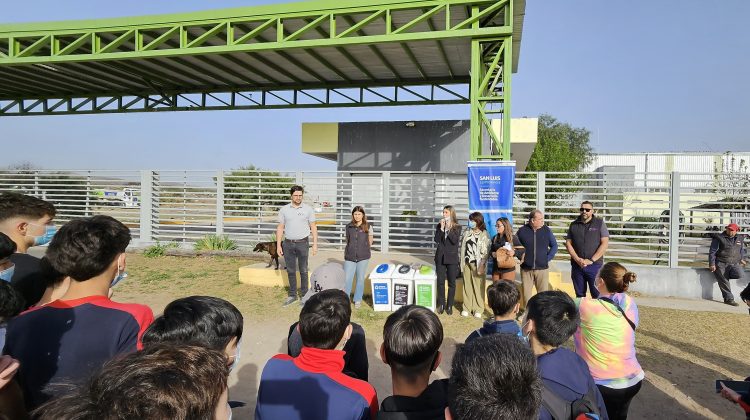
[(491, 185)]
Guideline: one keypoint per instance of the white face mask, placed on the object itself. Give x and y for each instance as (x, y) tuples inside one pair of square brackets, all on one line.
[(7, 274), (525, 337), (235, 362)]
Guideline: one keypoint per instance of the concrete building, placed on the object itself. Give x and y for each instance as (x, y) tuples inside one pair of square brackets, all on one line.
[(432, 146)]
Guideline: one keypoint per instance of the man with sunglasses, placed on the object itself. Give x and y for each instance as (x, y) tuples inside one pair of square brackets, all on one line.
[(586, 242)]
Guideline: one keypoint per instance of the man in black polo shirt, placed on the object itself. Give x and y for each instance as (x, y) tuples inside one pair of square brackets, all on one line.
[(586, 242)]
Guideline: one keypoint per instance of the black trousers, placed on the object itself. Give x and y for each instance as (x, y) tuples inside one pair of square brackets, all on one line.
[(449, 272), (721, 277), (617, 401)]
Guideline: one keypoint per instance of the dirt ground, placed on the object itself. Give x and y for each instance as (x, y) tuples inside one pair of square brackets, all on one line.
[(682, 352)]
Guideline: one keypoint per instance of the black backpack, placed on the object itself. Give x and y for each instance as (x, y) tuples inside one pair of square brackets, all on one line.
[(584, 407)]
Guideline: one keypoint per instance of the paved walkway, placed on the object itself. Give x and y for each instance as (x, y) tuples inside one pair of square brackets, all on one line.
[(700, 305)]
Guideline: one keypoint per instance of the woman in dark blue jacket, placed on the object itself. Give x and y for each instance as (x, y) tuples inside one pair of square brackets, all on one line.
[(447, 238)]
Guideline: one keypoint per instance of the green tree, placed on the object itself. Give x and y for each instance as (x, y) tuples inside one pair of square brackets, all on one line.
[(560, 147), (252, 191)]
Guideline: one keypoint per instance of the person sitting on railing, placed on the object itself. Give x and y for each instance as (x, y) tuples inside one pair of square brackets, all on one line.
[(726, 259)]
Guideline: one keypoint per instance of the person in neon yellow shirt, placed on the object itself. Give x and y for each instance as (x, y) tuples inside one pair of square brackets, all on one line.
[(606, 339)]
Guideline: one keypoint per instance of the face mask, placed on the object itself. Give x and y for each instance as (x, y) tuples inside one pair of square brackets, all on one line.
[(49, 232), (229, 408), (120, 276), (7, 274), (235, 363), (472, 224), (525, 337), (447, 219)]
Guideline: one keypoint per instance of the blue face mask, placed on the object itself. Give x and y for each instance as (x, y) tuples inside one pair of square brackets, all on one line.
[(472, 224), (7, 274), (49, 232), (236, 358)]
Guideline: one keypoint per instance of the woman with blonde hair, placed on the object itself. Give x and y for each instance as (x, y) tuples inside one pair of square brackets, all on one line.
[(359, 239), (606, 339), (475, 248), (447, 238)]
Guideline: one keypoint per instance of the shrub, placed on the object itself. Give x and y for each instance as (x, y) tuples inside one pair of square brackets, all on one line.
[(215, 243), (158, 250)]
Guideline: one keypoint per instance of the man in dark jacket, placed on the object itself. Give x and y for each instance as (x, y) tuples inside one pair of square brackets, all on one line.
[(726, 259), (586, 242), (551, 318), (540, 248), (411, 341)]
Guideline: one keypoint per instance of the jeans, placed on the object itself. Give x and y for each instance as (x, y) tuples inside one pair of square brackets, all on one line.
[(721, 277), (360, 269), (617, 401), (295, 255), (446, 272), (583, 276)]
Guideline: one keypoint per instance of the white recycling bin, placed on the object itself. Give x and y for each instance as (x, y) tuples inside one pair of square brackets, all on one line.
[(380, 284), (425, 282), (402, 284)]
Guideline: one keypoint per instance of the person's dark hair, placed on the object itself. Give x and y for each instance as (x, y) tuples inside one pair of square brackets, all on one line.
[(616, 277), (7, 246), (84, 248), (588, 202), (533, 213), (555, 317), (324, 318), (503, 297), (20, 205), (200, 320), (494, 377), (296, 188), (479, 219), (411, 339), (160, 382), (11, 301), (51, 276)]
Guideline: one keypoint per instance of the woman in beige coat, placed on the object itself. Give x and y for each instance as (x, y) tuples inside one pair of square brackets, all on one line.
[(475, 249)]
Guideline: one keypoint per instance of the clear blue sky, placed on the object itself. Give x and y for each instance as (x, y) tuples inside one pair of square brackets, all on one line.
[(667, 75)]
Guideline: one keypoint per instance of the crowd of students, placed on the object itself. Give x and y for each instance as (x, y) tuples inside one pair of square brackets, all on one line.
[(73, 353)]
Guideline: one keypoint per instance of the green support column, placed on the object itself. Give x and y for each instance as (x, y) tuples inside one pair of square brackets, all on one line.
[(491, 69)]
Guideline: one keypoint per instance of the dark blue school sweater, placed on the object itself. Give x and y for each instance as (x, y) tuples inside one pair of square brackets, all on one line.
[(567, 374), (496, 327)]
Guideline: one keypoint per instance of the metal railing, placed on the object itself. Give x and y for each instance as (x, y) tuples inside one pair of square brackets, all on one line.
[(184, 206)]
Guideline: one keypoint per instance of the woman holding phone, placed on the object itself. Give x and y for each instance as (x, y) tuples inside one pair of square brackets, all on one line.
[(447, 238)]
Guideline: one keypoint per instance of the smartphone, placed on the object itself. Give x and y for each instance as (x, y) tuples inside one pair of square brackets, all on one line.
[(740, 387)]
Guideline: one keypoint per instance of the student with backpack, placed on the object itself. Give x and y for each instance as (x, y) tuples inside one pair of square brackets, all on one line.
[(312, 386), (569, 391), (606, 339)]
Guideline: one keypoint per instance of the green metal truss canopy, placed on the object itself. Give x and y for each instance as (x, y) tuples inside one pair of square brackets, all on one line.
[(322, 53)]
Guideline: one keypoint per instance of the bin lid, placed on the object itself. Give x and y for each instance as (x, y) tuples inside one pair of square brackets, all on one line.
[(425, 272), (383, 271)]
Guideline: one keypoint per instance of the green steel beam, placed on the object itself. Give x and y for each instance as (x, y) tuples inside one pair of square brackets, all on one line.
[(83, 41), (235, 99)]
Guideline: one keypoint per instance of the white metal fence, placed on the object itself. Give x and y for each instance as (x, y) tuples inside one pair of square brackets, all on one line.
[(184, 206)]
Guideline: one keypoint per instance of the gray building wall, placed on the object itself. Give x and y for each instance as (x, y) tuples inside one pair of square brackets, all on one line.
[(439, 146)]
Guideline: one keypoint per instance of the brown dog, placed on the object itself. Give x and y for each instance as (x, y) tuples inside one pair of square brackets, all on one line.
[(269, 247)]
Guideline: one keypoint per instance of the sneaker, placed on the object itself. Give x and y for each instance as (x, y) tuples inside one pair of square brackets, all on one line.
[(731, 303), (357, 305), (464, 313), (289, 301), (478, 314)]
